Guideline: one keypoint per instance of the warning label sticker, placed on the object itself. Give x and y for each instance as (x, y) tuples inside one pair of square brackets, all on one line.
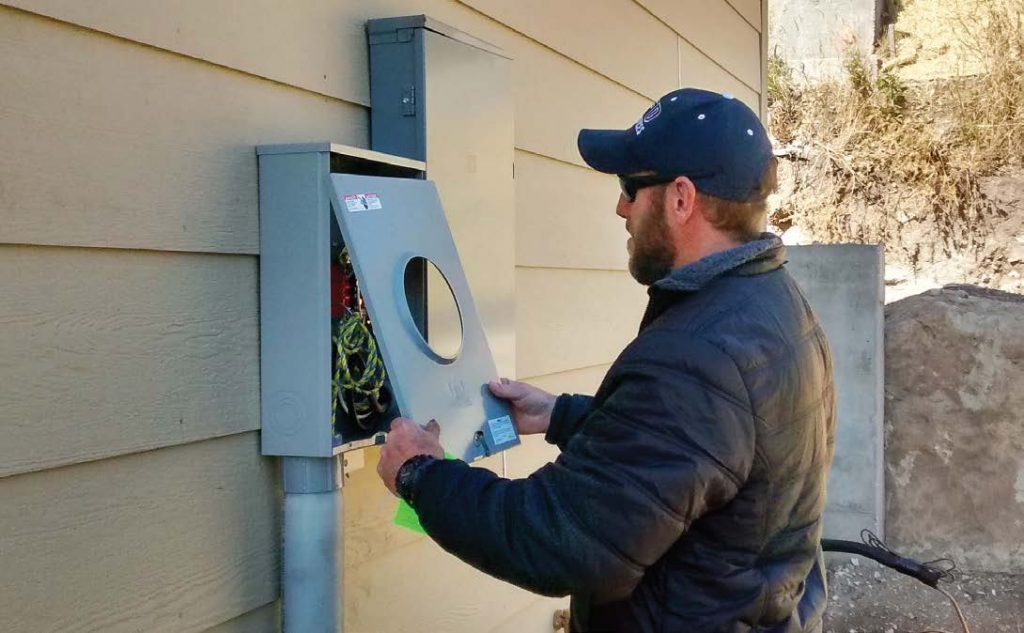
[(362, 202), (502, 430)]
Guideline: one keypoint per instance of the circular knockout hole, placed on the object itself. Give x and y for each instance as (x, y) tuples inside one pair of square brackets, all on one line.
[(440, 323)]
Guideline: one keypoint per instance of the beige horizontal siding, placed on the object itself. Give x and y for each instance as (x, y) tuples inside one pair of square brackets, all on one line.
[(107, 143), (569, 319), (584, 380), (616, 38), (750, 10), (107, 352), (175, 540), (718, 31), (555, 97), (266, 619), (694, 71), (321, 48), (535, 452), (198, 115), (565, 216), (137, 131)]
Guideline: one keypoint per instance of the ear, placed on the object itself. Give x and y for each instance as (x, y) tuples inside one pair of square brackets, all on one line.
[(681, 198)]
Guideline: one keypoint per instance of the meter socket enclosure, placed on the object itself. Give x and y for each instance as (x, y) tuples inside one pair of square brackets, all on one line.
[(299, 239)]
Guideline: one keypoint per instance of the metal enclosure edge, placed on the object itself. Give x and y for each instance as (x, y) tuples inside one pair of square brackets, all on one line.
[(295, 381)]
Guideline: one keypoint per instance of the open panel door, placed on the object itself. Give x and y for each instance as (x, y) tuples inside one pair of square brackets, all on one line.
[(388, 224)]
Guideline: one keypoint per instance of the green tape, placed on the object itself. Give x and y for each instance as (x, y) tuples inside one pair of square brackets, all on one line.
[(406, 517)]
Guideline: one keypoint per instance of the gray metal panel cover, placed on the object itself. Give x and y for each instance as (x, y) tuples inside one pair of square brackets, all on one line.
[(411, 223), (295, 324)]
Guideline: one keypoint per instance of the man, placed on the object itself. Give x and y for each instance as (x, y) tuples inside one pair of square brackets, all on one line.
[(689, 492)]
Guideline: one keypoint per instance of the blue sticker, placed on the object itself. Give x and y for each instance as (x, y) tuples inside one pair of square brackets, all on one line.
[(502, 430)]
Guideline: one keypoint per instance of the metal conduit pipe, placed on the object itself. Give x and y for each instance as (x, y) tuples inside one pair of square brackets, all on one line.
[(312, 566)]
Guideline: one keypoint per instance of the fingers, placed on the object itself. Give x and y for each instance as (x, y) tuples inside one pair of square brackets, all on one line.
[(401, 424), (406, 427)]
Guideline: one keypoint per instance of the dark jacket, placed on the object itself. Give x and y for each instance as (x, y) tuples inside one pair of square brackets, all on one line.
[(689, 492)]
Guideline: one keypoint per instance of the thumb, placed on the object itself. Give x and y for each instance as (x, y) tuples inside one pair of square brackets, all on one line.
[(433, 428), (506, 389)]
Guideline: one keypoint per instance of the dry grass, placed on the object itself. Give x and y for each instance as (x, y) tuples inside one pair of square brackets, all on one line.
[(883, 154)]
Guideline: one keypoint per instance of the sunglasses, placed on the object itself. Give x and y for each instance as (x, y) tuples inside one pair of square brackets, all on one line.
[(631, 184)]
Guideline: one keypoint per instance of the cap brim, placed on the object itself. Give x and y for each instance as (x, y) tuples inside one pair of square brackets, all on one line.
[(607, 151)]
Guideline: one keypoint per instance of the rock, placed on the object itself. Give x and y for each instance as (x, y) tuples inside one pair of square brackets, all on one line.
[(954, 427)]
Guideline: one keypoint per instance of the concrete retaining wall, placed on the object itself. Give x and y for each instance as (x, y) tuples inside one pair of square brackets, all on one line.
[(812, 35), (843, 284)]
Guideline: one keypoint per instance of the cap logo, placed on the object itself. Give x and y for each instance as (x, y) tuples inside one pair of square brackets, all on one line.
[(652, 112), (639, 127)]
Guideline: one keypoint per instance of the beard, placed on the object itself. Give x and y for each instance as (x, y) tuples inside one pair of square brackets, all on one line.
[(653, 253)]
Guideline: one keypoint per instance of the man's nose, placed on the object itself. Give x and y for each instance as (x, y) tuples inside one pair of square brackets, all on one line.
[(623, 208)]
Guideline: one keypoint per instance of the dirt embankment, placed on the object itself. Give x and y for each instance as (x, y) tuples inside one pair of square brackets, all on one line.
[(921, 150)]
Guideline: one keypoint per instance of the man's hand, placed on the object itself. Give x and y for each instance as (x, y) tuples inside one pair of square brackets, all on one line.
[(407, 439), (531, 407)]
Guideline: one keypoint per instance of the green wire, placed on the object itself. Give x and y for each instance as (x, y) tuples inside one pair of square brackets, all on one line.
[(353, 341)]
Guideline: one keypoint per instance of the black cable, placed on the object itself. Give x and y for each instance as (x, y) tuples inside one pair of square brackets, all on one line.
[(884, 556), (930, 573)]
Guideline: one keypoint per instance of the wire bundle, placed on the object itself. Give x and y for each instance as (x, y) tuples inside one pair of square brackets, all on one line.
[(359, 373)]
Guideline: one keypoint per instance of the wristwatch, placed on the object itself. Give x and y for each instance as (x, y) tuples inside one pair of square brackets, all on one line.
[(407, 480)]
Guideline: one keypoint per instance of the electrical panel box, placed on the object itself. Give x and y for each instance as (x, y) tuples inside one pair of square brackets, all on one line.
[(444, 96), (351, 240)]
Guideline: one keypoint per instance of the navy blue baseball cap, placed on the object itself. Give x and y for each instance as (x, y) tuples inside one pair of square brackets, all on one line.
[(713, 139)]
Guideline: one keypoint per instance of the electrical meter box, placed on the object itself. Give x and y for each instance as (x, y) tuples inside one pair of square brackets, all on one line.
[(351, 241)]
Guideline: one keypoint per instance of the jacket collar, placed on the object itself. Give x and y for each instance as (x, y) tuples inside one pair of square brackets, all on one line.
[(759, 256)]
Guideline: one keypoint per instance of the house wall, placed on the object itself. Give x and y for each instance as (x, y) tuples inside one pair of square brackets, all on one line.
[(132, 493)]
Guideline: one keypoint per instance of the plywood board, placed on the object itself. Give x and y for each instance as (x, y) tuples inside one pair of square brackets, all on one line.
[(533, 453), (720, 33), (696, 72), (111, 144), (385, 566), (565, 216), (448, 594), (107, 352), (170, 541), (617, 38), (369, 510), (568, 319), (537, 617)]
